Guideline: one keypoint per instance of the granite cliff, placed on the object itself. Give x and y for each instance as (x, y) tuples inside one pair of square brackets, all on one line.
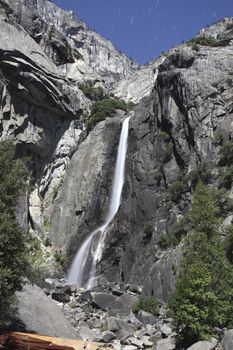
[(182, 118)]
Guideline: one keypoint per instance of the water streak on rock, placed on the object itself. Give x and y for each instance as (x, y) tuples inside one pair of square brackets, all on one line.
[(78, 267)]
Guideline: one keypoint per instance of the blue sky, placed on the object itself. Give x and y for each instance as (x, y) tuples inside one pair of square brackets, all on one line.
[(142, 29)]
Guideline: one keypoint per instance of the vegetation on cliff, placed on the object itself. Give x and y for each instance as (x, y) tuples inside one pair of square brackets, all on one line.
[(104, 105), (17, 248), (203, 297)]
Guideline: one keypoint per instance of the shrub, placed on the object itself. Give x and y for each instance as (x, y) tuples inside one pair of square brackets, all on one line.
[(47, 225), (226, 178), (94, 94), (177, 188), (228, 244), (61, 259), (167, 152), (205, 40), (147, 304), (202, 173), (47, 242), (103, 109), (131, 105), (226, 154), (195, 47)]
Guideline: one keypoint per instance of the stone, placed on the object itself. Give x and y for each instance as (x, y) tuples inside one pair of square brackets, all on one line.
[(61, 297), (146, 317), (69, 289), (129, 347), (81, 316), (147, 343), (227, 340), (165, 344), (108, 336), (124, 304), (116, 344), (85, 296), (165, 330), (205, 345), (117, 292), (86, 333), (134, 288), (120, 327), (103, 300), (133, 320), (136, 342), (37, 313)]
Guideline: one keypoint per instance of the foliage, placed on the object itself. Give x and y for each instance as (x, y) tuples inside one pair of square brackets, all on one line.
[(203, 296), (148, 232), (225, 203), (103, 109), (177, 188), (147, 304), (167, 152), (226, 154), (226, 178), (178, 231), (15, 247), (205, 211), (202, 173), (94, 94), (47, 225), (204, 40), (228, 244), (194, 46), (61, 259), (131, 105), (166, 146), (48, 242)]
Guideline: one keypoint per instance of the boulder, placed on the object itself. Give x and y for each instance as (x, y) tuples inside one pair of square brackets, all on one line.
[(108, 336), (120, 327), (136, 342), (134, 288), (69, 289), (166, 344), (227, 341), (86, 333), (124, 304), (39, 314), (103, 300), (146, 317), (61, 297), (85, 296), (166, 330), (206, 345)]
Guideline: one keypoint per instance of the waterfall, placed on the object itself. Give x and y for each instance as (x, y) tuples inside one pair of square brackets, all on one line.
[(78, 267)]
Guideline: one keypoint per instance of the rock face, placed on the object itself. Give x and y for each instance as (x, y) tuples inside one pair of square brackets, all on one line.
[(173, 129), (183, 115), (37, 313), (140, 83)]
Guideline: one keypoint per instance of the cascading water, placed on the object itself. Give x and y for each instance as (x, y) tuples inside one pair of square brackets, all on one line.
[(77, 270)]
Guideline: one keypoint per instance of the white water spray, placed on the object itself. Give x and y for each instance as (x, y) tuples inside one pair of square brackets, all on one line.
[(78, 266)]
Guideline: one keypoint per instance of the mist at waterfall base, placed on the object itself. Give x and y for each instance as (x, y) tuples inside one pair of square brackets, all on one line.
[(79, 264)]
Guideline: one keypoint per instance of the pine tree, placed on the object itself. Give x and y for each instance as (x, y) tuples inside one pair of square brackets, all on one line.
[(203, 297), (14, 241)]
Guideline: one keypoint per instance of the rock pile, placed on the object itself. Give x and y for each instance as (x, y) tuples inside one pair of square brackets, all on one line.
[(105, 314)]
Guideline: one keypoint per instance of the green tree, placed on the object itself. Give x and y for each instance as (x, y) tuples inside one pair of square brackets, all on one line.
[(14, 241), (203, 296)]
